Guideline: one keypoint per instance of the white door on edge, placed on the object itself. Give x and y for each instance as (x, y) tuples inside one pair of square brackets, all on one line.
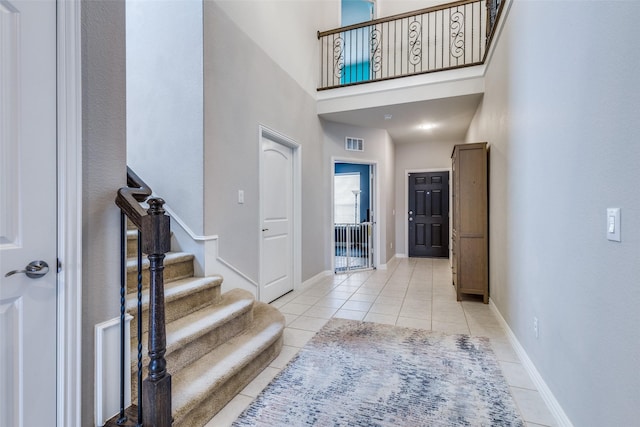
[(28, 212), (276, 196)]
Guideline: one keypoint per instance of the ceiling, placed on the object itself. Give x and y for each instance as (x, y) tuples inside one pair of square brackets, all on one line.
[(446, 119)]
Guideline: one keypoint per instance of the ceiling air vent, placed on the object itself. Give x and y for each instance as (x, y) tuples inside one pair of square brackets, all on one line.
[(353, 144)]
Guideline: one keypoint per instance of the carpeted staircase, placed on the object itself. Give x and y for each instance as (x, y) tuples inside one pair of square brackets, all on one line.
[(216, 343)]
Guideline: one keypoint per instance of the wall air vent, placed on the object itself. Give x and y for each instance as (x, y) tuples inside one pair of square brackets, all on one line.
[(353, 144)]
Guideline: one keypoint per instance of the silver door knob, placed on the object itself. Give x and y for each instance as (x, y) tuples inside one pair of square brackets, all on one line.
[(410, 212), (34, 270), (410, 219)]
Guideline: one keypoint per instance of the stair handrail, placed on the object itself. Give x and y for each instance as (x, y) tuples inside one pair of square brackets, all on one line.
[(396, 17), (154, 239), (130, 197)]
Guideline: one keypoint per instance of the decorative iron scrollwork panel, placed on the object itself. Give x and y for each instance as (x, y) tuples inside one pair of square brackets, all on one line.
[(415, 42), (376, 50), (457, 34), (338, 57)]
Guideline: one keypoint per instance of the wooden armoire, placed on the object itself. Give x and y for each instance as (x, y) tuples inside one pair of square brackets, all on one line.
[(470, 237)]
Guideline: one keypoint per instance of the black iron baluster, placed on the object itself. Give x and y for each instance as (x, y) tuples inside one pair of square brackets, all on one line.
[(139, 329), (428, 42), (401, 43), (320, 84), (482, 33), (352, 76), (333, 76), (395, 41), (422, 38), (358, 32), (388, 50), (122, 418), (473, 21), (442, 42)]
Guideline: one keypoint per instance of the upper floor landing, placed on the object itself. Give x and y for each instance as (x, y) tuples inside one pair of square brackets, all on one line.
[(405, 62)]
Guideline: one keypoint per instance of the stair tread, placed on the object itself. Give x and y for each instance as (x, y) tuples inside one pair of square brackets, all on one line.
[(198, 323), (170, 258), (223, 362), (175, 289)]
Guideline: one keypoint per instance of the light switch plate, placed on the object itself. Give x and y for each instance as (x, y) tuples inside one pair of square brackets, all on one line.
[(613, 224)]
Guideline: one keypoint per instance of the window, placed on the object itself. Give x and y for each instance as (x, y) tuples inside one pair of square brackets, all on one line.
[(345, 202)]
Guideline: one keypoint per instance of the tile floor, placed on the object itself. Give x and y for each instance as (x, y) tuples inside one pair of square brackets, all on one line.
[(415, 293)]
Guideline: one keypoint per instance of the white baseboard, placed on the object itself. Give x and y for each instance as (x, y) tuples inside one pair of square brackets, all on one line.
[(400, 256), (394, 259), (107, 368), (313, 280), (546, 394)]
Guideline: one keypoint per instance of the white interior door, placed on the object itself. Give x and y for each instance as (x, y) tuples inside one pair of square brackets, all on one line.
[(28, 212), (276, 200)]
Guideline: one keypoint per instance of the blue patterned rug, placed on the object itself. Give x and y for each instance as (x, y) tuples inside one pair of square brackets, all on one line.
[(367, 374)]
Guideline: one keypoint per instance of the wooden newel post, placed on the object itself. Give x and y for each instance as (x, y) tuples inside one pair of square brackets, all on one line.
[(156, 388)]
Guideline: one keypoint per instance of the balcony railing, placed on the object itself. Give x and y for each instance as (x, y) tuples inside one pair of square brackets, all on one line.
[(445, 37)]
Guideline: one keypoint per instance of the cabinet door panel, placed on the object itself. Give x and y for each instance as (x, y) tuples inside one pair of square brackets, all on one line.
[(472, 274), (470, 220)]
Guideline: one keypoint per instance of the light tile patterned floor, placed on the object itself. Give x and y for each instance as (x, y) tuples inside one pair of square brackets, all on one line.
[(416, 293)]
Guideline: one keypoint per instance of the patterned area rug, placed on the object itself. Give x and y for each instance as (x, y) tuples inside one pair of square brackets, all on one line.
[(367, 374)]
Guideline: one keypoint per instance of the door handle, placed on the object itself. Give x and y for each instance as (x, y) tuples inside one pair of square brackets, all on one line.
[(34, 270), (410, 219), (265, 229)]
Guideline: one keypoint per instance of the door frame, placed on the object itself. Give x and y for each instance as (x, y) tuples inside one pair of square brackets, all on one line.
[(296, 238), (406, 205), (69, 209), (375, 204)]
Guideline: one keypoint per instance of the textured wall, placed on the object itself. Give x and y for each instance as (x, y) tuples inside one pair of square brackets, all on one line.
[(560, 112), (165, 102), (104, 171), (245, 88), (286, 30)]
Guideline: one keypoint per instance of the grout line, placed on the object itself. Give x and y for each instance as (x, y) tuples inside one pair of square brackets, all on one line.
[(411, 265), (432, 296)]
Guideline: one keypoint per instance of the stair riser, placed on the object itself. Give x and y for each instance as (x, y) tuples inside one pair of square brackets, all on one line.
[(176, 308), (132, 247), (174, 271), (187, 353), (132, 244), (214, 402)]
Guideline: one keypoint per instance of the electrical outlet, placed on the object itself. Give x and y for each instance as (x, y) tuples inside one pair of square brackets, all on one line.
[(535, 326)]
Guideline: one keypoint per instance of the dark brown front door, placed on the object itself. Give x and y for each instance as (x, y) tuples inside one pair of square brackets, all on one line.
[(428, 214)]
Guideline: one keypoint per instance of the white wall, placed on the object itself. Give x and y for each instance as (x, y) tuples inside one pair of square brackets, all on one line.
[(561, 114), (387, 200), (286, 30), (394, 7), (425, 155), (378, 150), (245, 88), (103, 172), (165, 102)]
